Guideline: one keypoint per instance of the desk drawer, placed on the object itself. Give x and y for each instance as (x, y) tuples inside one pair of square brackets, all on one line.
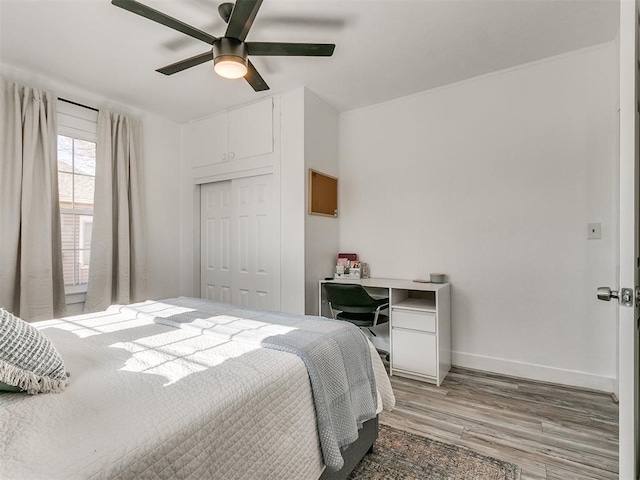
[(414, 352), (413, 319)]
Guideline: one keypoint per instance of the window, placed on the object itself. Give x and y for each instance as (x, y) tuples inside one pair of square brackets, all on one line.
[(76, 184)]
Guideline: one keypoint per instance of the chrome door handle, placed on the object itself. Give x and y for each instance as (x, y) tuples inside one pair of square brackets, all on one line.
[(606, 294)]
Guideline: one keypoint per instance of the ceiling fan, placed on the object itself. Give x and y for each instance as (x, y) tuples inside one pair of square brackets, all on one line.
[(229, 53)]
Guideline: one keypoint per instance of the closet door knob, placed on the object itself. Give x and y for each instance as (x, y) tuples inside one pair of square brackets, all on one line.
[(606, 294)]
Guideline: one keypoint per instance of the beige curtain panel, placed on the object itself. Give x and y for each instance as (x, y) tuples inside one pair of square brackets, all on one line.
[(118, 272), (31, 280)]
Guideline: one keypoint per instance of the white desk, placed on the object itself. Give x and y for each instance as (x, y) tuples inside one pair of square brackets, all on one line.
[(420, 325)]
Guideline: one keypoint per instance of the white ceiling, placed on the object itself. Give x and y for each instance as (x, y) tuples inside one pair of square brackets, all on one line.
[(384, 49)]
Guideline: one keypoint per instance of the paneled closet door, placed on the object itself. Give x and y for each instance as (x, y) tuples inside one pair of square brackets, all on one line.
[(240, 254), (215, 241), (252, 271)]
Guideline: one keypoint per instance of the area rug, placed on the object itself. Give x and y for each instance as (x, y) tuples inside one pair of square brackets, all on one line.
[(401, 455)]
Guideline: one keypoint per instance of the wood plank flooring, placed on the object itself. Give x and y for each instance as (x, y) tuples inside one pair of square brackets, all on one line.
[(552, 432)]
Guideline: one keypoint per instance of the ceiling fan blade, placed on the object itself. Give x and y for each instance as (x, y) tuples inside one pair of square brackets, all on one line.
[(254, 78), (159, 17), (291, 49), (224, 10), (242, 16), (186, 63)]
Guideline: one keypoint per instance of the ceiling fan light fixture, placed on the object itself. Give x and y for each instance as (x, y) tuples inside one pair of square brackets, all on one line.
[(230, 58), (229, 66)]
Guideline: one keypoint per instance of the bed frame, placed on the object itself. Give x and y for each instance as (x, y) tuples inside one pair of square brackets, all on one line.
[(356, 451)]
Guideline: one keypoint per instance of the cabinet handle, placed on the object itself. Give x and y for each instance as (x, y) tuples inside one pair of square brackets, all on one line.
[(232, 155), (224, 157)]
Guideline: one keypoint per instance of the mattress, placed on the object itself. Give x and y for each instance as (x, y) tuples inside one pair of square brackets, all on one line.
[(152, 401)]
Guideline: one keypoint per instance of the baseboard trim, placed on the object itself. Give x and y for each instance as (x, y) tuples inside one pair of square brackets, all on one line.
[(533, 372)]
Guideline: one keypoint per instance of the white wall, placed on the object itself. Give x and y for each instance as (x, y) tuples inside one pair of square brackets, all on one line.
[(493, 181), (292, 201), (162, 169), (189, 226), (309, 139), (321, 233), (161, 147)]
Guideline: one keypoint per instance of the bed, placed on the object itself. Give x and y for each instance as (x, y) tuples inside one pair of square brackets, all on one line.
[(187, 388)]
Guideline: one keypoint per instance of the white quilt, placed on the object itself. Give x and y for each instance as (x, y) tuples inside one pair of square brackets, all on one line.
[(150, 401), (335, 353)]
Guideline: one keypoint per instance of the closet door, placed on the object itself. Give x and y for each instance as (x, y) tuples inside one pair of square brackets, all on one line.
[(215, 240), (240, 243), (252, 270)]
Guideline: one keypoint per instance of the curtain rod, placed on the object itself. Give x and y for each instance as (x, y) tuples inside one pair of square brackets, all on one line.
[(77, 104)]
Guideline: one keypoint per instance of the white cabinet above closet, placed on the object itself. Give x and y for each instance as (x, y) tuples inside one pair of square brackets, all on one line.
[(251, 130), (206, 140), (237, 134)]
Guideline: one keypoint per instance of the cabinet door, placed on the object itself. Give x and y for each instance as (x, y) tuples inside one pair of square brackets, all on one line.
[(251, 130), (414, 351), (206, 141)]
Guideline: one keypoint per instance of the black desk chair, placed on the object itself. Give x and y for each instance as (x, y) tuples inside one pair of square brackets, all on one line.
[(352, 303)]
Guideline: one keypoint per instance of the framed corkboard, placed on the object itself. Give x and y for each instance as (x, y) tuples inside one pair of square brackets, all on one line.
[(323, 194)]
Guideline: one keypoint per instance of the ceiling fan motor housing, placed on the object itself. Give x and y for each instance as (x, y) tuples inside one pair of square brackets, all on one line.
[(225, 47)]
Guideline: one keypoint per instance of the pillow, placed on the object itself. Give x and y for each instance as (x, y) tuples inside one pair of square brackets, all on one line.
[(28, 359)]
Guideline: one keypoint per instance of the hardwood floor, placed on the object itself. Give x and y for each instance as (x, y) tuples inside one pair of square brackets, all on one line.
[(552, 432)]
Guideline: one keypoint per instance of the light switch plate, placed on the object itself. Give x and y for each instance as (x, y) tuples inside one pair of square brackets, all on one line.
[(594, 231)]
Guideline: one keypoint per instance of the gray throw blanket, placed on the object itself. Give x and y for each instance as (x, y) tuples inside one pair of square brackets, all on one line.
[(335, 353)]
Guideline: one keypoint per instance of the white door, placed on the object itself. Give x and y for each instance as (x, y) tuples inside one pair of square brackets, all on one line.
[(254, 245), (629, 251), (240, 243), (215, 241)]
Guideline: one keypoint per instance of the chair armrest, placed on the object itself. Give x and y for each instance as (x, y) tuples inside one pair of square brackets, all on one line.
[(382, 306)]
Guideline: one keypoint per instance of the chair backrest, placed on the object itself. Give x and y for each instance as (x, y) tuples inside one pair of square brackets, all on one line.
[(349, 297)]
